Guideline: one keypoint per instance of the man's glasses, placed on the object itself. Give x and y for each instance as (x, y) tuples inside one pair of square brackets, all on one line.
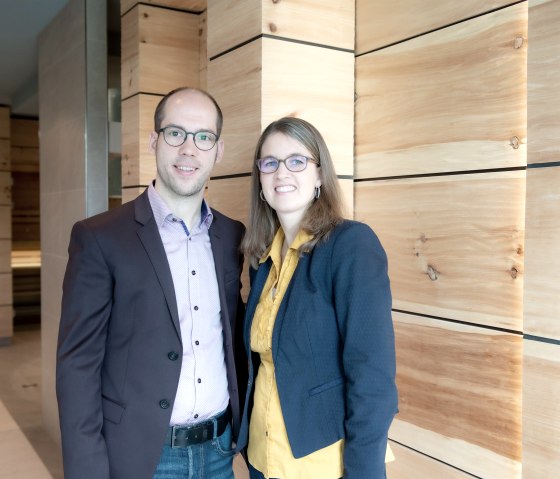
[(294, 163), (175, 136)]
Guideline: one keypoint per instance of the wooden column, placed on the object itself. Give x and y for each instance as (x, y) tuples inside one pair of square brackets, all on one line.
[(160, 51), (541, 351), (269, 59), (440, 176), (6, 311)]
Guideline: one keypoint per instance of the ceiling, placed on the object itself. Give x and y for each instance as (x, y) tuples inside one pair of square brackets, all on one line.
[(21, 22)]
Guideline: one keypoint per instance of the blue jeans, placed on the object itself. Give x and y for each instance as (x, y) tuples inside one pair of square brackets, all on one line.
[(212, 459)]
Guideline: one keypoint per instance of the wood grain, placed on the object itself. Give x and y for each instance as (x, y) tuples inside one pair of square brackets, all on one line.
[(128, 194), (160, 50), (321, 93), (5, 255), (137, 163), (541, 410), (5, 288), (24, 159), (459, 394), (5, 122), (320, 22), (543, 89), (410, 464), (455, 243), (187, 5), (6, 325), (203, 51), (453, 100), (5, 155), (25, 132), (542, 249), (384, 22), (5, 188)]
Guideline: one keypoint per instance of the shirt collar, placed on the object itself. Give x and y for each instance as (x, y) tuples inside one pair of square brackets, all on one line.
[(275, 250), (162, 213)]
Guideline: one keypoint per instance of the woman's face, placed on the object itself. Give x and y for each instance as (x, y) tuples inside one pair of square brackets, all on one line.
[(289, 193)]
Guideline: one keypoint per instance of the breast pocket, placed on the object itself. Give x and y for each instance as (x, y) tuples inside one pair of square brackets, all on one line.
[(326, 386)]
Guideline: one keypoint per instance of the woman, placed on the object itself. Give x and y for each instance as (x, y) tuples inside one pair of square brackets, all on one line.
[(318, 326)]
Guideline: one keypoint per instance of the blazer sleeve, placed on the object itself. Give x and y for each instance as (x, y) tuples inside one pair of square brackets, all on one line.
[(86, 307), (363, 308)]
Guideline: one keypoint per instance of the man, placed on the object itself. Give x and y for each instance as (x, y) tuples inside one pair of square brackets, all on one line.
[(151, 310)]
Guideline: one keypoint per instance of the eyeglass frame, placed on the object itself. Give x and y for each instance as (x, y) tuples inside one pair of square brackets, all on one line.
[(187, 133), (307, 160)]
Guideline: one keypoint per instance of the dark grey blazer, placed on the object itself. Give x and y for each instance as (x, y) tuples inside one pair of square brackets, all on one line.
[(119, 340)]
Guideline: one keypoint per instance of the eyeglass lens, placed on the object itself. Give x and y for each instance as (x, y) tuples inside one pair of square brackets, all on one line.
[(175, 136), (293, 163)]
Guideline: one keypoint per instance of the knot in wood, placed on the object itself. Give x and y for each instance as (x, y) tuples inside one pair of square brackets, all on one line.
[(432, 273), (514, 142), (513, 272), (272, 27), (518, 42)]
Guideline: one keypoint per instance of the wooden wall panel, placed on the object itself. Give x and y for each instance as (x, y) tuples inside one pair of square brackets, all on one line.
[(128, 194), (5, 288), (409, 464), (160, 50), (543, 89), (460, 394), (5, 256), (240, 102), (25, 132), (384, 22), (203, 51), (4, 122), (542, 243), (321, 22), (453, 100), (24, 159), (188, 5), (541, 410), (267, 94), (455, 244), (5, 188), (6, 324), (138, 164), (5, 155)]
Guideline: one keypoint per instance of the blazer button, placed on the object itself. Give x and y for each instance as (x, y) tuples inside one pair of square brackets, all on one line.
[(164, 404), (172, 356)]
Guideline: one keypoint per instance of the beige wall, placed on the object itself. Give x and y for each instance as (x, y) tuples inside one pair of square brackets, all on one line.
[(73, 156)]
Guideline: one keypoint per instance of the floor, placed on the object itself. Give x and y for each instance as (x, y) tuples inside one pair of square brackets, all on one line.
[(26, 450)]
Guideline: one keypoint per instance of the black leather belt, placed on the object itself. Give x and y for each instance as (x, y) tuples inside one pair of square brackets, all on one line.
[(185, 436)]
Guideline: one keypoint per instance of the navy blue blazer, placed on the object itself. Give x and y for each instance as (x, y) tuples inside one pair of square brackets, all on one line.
[(333, 350)]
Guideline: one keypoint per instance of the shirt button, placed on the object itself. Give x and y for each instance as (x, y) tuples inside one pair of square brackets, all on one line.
[(197, 342), (196, 416), (172, 355), (164, 404), (193, 272), (196, 308), (199, 380)]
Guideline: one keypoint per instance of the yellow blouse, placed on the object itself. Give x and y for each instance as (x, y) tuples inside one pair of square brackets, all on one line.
[(269, 449)]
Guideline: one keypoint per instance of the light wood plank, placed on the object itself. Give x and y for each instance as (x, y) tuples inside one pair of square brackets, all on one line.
[(453, 100), (5, 156), (543, 90), (5, 122), (460, 394), (5, 188), (188, 5), (235, 80), (25, 159), (25, 132), (203, 51), (410, 464), (160, 50), (541, 410), (5, 222), (129, 194), (455, 244), (384, 22), (138, 164), (5, 288), (542, 244), (6, 326), (321, 93), (5, 253), (320, 22)]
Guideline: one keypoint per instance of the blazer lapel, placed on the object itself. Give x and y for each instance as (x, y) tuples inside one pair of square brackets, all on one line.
[(218, 254), (151, 240), (257, 285)]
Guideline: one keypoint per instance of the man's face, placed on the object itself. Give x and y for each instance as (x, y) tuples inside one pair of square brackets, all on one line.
[(182, 171)]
